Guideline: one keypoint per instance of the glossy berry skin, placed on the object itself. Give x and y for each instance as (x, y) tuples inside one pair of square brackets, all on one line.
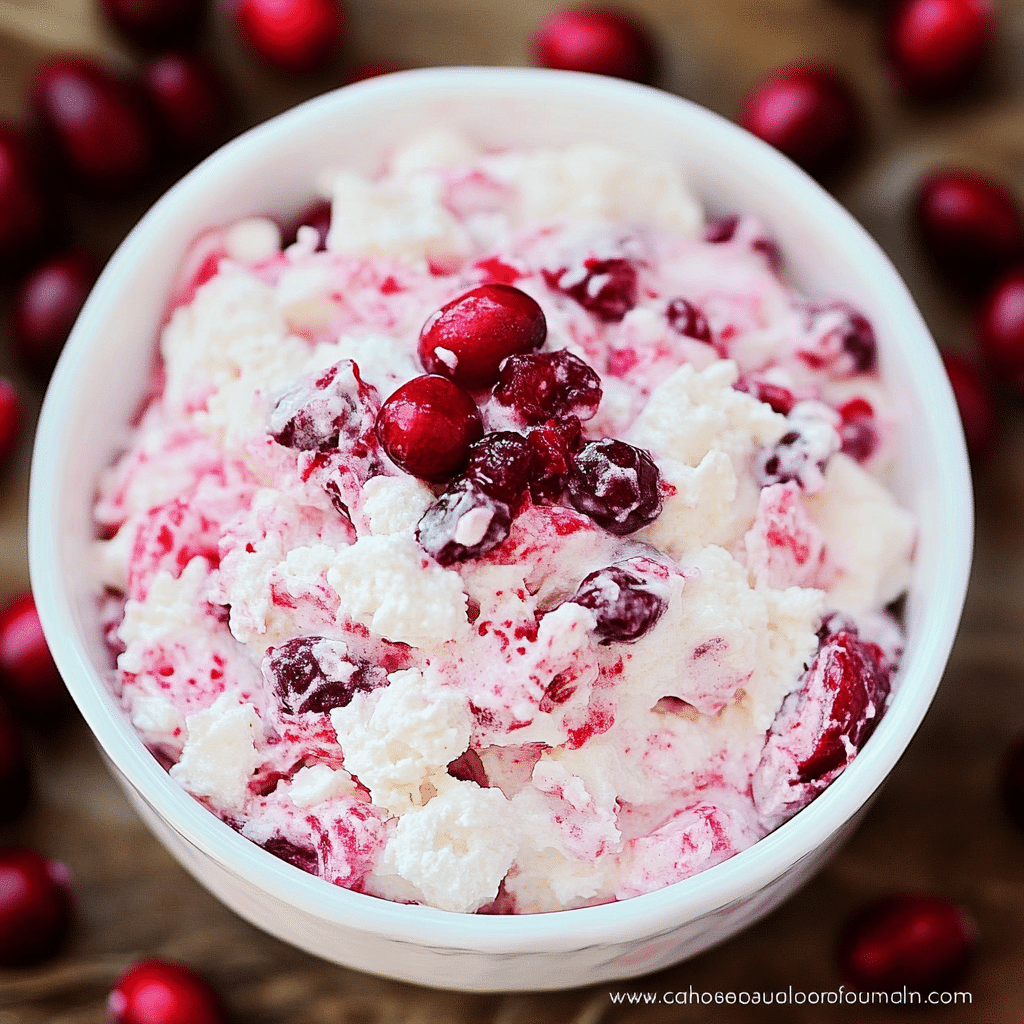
[(29, 681), (294, 36), (156, 24), (977, 409), (47, 304), (15, 774), (427, 426), (605, 287), (191, 101), (301, 685), (468, 338), (917, 940), (1012, 781), (1001, 328), (163, 992), (12, 415), (617, 485), (971, 225), (599, 41), (808, 112), (623, 604), (94, 121), (35, 906), (23, 213), (935, 48), (548, 385)]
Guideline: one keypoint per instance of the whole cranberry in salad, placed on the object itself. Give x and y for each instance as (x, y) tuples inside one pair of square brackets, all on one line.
[(617, 485)]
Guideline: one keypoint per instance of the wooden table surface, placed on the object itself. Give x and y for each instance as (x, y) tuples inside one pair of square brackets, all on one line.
[(938, 824)]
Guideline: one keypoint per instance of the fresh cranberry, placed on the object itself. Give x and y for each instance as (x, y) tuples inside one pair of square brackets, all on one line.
[(935, 48), (617, 485), (623, 604), (464, 522), (779, 398), (599, 41), (155, 24), (971, 225), (541, 386), (23, 214), (1001, 328), (974, 400), (606, 288), (913, 940), (95, 122), (35, 906), (191, 100), (163, 992), (427, 427), (500, 464), (858, 433), (29, 680), (316, 215), (843, 339), (48, 303), (468, 339), (296, 36), (809, 112), (15, 775), (12, 415), (311, 673), (552, 446), (686, 319), (1012, 781), (374, 70)]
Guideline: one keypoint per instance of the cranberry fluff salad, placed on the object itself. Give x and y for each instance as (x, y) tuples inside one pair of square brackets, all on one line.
[(521, 545)]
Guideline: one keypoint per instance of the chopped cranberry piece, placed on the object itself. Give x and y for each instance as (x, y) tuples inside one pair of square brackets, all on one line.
[(427, 427), (624, 605), (15, 775), (809, 112), (469, 768), (29, 680), (1001, 328), (1012, 781), (857, 432), (721, 229), (23, 212), (977, 408), (845, 340), (163, 992), (606, 288), (686, 319), (780, 399), (552, 445), (468, 339), (936, 48), (598, 41), (156, 24), (301, 857), (12, 415), (295, 36), (464, 522), (541, 386), (35, 906), (801, 454), (317, 216), (615, 484), (191, 99), (314, 673), (500, 464), (915, 941)]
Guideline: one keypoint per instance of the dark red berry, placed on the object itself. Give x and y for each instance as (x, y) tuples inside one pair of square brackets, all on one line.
[(975, 403), (163, 992), (1012, 781), (427, 426), (686, 319), (23, 215), (624, 605), (1001, 328), (47, 304), (809, 112), (29, 680), (292, 35), (469, 338), (913, 940), (12, 415), (548, 385), (970, 224), (615, 484), (464, 522), (843, 339), (155, 24), (858, 432), (721, 229), (779, 398), (796, 456), (302, 857), (469, 768), (15, 775), (935, 48), (317, 216), (500, 464), (374, 70), (552, 447), (312, 673), (191, 100), (607, 288), (599, 41), (35, 906)]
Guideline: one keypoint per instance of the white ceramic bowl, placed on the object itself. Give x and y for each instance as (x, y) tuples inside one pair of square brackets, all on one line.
[(102, 376)]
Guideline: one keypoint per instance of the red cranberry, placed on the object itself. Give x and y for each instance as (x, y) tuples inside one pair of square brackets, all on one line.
[(1012, 781), (857, 432), (464, 522), (623, 604), (302, 857), (311, 673), (971, 225), (686, 319), (469, 768), (599, 41), (154, 24), (317, 216), (48, 303), (292, 35), (29, 680), (191, 100), (607, 288), (780, 399), (809, 113), (469, 338), (15, 775), (35, 906), (95, 122), (918, 941), (427, 427), (552, 447), (500, 464), (617, 485), (541, 386), (12, 415), (162, 992), (22, 208), (721, 229), (974, 400), (1001, 328), (936, 47), (374, 70)]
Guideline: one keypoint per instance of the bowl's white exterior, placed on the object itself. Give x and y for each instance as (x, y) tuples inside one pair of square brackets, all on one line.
[(102, 376)]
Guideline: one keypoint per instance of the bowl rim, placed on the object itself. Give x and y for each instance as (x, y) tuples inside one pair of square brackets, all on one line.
[(658, 912)]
